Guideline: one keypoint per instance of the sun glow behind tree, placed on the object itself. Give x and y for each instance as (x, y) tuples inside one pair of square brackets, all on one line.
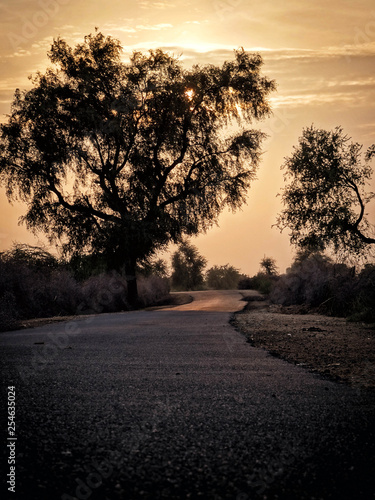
[(122, 159)]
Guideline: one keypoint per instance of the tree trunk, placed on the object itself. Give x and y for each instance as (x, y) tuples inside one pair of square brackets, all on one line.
[(131, 281)]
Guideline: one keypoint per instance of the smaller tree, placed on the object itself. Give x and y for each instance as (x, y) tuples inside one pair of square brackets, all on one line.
[(223, 277), (187, 267), (325, 200), (268, 266)]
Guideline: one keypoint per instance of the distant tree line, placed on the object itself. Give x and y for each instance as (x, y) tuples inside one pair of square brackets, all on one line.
[(34, 283), (188, 271)]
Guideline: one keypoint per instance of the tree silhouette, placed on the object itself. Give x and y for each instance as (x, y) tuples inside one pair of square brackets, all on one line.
[(223, 277), (325, 200), (120, 159), (187, 267), (268, 266)]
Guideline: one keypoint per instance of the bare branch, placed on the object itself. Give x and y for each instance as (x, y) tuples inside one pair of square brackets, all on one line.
[(86, 210)]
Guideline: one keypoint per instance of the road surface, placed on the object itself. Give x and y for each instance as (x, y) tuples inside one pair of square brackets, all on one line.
[(174, 404)]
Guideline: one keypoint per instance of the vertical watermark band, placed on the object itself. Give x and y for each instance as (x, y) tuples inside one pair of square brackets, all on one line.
[(11, 439)]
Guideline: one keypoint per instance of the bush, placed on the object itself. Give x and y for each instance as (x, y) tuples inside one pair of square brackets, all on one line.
[(30, 256), (245, 283), (8, 311), (263, 282), (29, 291), (363, 307), (152, 290), (335, 289), (33, 284), (106, 292), (222, 277), (305, 282)]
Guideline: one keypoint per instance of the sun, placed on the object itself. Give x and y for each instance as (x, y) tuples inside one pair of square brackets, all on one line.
[(189, 94)]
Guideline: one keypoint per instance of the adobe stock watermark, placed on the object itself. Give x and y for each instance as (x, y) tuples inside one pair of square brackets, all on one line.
[(365, 34), (225, 7), (96, 474), (281, 119), (29, 26)]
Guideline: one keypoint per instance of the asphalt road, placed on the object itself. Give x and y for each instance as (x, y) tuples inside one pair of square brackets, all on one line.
[(174, 404)]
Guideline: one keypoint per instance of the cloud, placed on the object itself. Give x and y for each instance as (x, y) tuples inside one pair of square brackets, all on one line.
[(155, 5), (122, 29), (18, 53), (154, 27), (317, 99)]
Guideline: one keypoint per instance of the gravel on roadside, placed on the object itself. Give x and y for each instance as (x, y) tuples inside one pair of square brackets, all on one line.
[(333, 347)]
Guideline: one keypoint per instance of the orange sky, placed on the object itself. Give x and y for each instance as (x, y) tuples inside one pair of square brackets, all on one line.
[(321, 54)]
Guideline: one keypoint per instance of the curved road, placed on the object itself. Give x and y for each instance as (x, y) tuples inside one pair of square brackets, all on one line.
[(214, 301), (174, 404)]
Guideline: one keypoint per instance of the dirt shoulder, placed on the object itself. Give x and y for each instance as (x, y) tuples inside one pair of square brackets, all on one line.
[(332, 347)]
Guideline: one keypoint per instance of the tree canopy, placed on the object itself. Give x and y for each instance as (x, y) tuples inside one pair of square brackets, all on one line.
[(325, 200), (224, 277), (268, 266), (122, 158), (187, 267)]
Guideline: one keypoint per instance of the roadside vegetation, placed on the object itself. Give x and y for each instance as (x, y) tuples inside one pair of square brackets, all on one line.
[(314, 282), (35, 284)]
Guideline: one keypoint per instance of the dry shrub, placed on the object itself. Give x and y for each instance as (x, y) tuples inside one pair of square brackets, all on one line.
[(8, 311), (27, 292), (363, 308), (262, 282), (39, 294), (30, 287), (106, 292), (245, 283), (52, 294), (152, 290), (335, 289)]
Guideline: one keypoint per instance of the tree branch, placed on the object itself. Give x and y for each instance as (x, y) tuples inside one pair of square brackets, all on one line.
[(86, 210), (354, 229), (99, 150), (188, 177), (351, 184), (130, 145)]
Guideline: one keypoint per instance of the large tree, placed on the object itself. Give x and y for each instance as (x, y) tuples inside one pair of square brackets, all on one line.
[(326, 197), (122, 158)]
